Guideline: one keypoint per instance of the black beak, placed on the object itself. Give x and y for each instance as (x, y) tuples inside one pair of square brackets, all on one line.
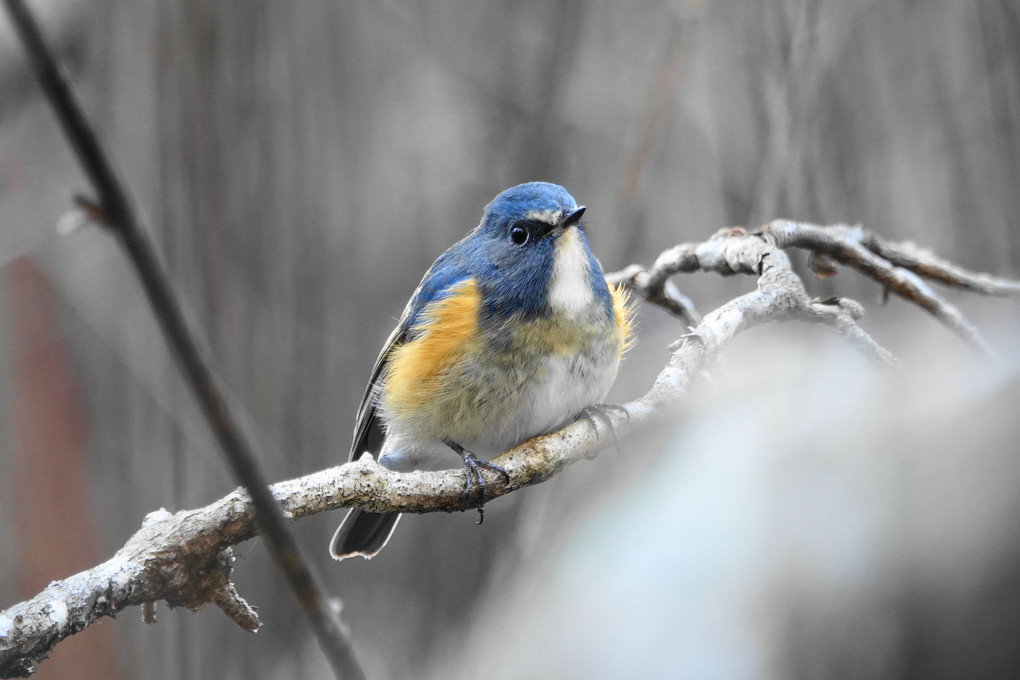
[(572, 217)]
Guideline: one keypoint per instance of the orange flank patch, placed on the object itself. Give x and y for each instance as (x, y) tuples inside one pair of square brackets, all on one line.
[(623, 312), (415, 368)]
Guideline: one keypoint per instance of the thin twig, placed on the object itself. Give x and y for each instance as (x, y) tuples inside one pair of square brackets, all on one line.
[(846, 244), (665, 294), (841, 315), (924, 263), (734, 250), (117, 213)]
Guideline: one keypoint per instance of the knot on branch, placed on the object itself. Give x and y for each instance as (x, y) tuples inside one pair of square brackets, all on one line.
[(183, 578), (841, 305), (186, 567)]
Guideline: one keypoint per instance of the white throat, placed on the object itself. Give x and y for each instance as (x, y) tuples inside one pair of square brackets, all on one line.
[(569, 288)]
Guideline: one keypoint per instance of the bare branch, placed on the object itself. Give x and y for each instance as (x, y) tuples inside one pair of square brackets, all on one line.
[(665, 294), (897, 266), (924, 263), (847, 245), (183, 559), (841, 314), (732, 251)]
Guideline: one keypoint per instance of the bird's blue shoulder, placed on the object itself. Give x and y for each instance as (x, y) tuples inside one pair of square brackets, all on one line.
[(451, 268)]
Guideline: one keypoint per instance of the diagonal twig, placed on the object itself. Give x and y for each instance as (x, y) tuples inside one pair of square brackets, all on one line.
[(116, 212), (924, 263), (846, 244), (665, 294)]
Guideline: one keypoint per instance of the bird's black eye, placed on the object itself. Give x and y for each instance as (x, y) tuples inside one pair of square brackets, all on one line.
[(519, 235)]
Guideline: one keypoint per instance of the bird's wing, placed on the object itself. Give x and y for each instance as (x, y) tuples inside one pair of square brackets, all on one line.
[(446, 272)]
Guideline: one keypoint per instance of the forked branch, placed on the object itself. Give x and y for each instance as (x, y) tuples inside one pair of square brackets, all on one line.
[(184, 558)]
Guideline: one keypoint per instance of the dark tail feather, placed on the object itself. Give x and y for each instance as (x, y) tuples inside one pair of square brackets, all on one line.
[(362, 533)]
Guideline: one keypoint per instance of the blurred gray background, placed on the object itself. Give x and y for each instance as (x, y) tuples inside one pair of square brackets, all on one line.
[(300, 165)]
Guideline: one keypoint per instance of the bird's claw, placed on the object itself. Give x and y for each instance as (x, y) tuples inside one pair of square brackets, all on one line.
[(473, 476), (602, 412)]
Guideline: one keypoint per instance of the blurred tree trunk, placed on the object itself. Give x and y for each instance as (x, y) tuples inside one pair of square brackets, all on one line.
[(53, 519)]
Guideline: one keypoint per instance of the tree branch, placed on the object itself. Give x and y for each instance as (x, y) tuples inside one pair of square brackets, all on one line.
[(184, 558), (878, 260), (924, 263)]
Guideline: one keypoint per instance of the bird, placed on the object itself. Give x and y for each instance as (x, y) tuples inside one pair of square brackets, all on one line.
[(512, 333)]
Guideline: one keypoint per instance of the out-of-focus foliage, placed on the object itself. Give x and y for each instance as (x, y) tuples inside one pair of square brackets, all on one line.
[(301, 164)]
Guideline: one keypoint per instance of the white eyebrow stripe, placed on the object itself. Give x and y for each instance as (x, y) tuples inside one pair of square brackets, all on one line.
[(549, 216)]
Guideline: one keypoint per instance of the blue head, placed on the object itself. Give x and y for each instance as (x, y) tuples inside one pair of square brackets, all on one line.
[(530, 254), (536, 203)]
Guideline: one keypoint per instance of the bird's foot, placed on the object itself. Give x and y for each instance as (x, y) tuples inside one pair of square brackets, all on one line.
[(603, 413), (473, 475)]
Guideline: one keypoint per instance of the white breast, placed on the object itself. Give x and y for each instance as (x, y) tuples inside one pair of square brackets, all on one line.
[(565, 388), (569, 287)]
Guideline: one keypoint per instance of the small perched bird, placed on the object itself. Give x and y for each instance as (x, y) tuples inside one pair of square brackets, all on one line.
[(512, 333)]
